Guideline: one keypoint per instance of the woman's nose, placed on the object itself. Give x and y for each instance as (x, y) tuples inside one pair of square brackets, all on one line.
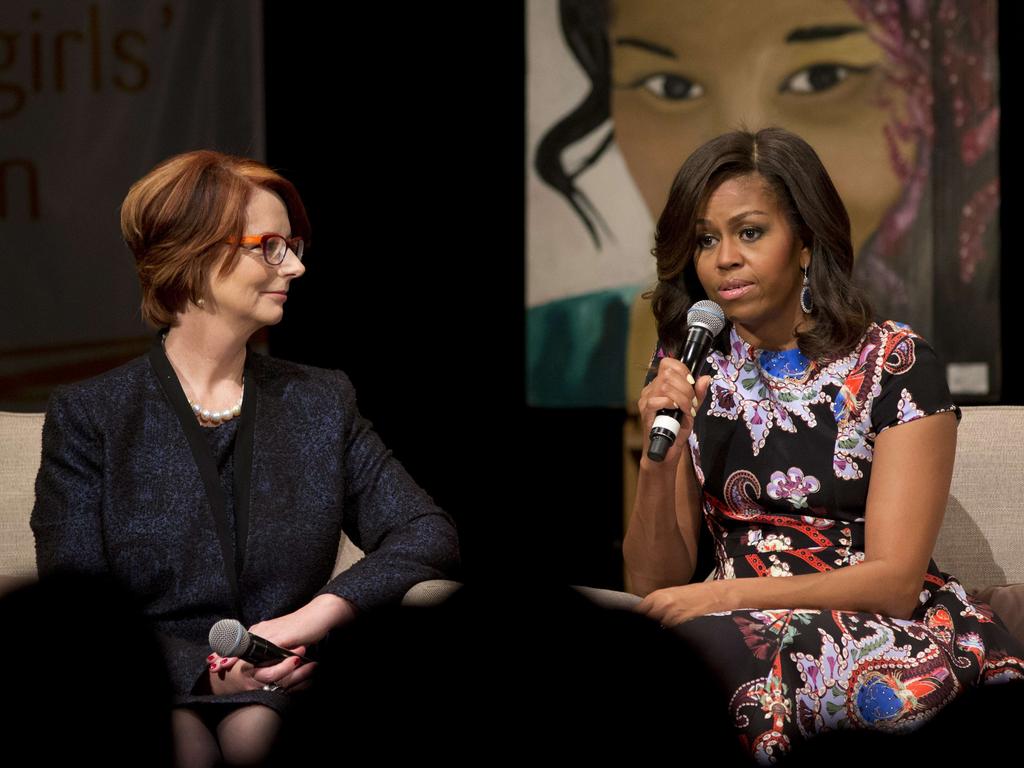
[(292, 264), (728, 254)]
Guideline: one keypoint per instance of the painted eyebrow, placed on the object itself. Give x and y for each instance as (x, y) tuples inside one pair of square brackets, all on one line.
[(736, 218), (811, 34), (646, 45)]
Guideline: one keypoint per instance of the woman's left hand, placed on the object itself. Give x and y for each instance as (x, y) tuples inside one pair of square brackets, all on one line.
[(674, 605)]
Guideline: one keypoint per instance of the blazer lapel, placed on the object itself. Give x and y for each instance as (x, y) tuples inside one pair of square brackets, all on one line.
[(243, 457), (203, 458)]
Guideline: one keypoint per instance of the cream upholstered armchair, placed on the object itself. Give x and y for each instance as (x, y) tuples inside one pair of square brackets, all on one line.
[(20, 455), (982, 535)]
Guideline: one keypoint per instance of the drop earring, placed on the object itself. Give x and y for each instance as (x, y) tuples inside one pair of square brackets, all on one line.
[(806, 304)]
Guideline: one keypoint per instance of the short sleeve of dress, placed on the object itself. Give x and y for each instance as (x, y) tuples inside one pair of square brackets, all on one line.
[(913, 383)]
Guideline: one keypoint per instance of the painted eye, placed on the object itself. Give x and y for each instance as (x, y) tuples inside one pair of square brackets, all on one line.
[(673, 87), (817, 78), (706, 241), (750, 233)]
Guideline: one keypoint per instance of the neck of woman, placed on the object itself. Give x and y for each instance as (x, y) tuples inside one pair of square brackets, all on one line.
[(774, 337), (208, 356)]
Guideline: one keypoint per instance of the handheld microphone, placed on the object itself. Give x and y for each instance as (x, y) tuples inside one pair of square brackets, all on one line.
[(704, 321), (229, 638)]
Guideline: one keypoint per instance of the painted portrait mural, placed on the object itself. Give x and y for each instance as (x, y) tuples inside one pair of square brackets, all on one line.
[(900, 100)]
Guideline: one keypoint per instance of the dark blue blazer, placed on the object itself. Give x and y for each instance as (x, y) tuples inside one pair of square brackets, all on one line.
[(127, 487)]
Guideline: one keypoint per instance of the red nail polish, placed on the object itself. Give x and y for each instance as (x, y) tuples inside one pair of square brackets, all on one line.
[(213, 667), (210, 657), (297, 661)]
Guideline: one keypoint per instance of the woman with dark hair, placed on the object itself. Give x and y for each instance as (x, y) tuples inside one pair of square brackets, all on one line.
[(819, 454), (215, 482)]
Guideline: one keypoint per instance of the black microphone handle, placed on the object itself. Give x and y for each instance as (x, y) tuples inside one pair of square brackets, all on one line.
[(695, 350), (261, 651), (663, 433)]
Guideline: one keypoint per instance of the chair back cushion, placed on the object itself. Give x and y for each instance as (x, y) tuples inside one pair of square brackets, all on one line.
[(20, 453), (982, 536)]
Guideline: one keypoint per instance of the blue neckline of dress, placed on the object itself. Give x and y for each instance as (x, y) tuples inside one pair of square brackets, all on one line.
[(781, 363), (784, 363)]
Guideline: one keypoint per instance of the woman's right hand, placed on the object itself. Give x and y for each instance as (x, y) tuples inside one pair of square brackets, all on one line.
[(673, 387), (233, 675)]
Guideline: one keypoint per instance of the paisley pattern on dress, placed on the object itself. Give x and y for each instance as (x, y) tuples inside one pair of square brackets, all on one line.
[(749, 386), (782, 448)]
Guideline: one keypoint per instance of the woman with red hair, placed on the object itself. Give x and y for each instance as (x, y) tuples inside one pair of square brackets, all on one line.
[(216, 482)]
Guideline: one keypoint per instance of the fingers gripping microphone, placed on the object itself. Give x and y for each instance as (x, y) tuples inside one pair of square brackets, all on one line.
[(704, 321), (229, 638)]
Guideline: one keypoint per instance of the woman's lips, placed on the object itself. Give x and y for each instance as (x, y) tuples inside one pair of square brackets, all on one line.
[(278, 294), (734, 292)]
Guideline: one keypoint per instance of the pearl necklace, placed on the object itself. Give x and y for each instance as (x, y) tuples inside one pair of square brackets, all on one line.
[(214, 417), (219, 417)]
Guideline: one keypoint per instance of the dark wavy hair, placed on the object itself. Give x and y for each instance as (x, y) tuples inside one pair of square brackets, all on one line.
[(804, 192)]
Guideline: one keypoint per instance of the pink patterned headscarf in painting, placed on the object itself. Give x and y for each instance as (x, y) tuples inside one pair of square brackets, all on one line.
[(958, 40)]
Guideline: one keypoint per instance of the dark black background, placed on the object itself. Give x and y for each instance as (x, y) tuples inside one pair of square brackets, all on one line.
[(404, 129)]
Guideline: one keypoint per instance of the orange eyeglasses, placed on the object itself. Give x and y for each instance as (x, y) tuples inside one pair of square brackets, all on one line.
[(275, 247)]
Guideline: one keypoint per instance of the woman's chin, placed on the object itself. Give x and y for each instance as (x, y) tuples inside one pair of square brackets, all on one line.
[(271, 316)]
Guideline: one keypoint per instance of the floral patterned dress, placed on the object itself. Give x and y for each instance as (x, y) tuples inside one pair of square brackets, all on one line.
[(782, 447)]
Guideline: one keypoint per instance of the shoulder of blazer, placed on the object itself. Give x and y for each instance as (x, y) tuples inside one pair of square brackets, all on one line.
[(116, 388), (272, 369), (289, 381)]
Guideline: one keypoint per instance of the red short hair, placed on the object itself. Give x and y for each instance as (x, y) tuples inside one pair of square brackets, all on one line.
[(179, 219)]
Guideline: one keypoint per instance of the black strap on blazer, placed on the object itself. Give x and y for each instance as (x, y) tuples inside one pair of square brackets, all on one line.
[(234, 556)]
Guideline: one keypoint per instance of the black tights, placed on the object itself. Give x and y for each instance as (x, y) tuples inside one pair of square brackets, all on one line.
[(209, 736)]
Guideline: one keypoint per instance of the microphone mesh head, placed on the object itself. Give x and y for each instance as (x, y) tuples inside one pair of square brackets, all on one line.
[(229, 638), (708, 315)]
